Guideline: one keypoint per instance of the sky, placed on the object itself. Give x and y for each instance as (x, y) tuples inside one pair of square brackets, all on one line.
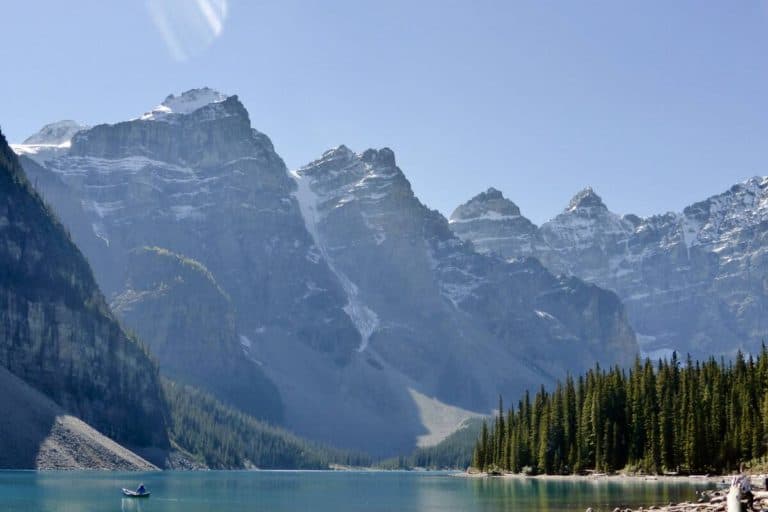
[(655, 104)]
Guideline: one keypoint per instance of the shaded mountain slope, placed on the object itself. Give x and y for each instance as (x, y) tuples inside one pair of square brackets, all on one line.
[(56, 331)]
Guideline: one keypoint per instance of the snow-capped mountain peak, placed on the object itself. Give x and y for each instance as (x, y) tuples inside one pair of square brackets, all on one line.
[(586, 198), (52, 140), (186, 103), (56, 133), (488, 205)]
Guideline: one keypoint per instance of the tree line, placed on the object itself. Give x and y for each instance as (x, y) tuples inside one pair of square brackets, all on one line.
[(667, 416)]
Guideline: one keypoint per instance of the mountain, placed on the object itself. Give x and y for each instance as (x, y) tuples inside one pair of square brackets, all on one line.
[(452, 324), (57, 333), (176, 306), (695, 281), (52, 140), (494, 223), (369, 316)]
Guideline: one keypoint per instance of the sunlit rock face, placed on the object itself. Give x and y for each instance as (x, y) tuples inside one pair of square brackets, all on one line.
[(693, 281), (350, 295)]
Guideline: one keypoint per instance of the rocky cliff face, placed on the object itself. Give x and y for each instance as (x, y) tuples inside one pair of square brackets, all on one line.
[(56, 331), (365, 310), (693, 281), (175, 306), (460, 326)]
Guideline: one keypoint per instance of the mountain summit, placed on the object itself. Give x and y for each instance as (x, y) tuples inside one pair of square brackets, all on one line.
[(490, 203), (585, 198), (55, 133), (186, 103), (496, 221)]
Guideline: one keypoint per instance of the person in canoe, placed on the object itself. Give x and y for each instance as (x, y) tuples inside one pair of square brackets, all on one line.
[(140, 492)]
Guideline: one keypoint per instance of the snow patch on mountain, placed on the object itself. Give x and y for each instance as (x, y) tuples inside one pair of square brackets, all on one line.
[(51, 141), (186, 103), (56, 133), (486, 216)]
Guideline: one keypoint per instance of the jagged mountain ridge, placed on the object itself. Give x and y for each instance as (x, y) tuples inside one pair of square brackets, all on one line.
[(56, 331), (693, 281), (355, 297)]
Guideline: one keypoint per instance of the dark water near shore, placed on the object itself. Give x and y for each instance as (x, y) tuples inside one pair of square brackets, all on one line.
[(282, 491)]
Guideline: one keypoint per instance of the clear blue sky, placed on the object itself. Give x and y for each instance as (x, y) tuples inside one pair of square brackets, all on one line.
[(654, 103)]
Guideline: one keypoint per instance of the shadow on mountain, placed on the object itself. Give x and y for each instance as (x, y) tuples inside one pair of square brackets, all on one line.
[(26, 419)]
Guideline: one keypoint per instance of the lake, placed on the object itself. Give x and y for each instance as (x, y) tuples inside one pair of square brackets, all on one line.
[(321, 491)]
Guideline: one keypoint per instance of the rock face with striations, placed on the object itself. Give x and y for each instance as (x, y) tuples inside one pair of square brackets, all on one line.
[(368, 314), (694, 281), (56, 331)]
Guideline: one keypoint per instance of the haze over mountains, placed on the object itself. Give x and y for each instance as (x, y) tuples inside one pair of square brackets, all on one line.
[(695, 281), (359, 314)]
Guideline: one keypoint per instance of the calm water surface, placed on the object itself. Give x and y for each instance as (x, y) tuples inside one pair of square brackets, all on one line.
[(282, 491)]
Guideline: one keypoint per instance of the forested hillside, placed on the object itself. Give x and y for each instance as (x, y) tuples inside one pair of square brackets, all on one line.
[(665, 416), (57, 333), (221, 437)]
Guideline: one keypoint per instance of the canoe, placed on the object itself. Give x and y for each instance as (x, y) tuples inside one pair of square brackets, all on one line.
[(134, 494)]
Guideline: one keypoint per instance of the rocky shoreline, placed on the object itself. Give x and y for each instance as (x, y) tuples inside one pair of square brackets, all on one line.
[(708, 501)]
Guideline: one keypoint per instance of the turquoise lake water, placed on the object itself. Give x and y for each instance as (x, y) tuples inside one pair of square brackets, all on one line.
[(283, 491)]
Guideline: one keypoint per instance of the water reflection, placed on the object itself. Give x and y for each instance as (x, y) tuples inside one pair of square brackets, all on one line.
[(322, 492), (131, 505), (566, 494)]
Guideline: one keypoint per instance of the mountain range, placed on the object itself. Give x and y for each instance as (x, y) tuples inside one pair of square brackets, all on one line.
[(693, 282), (328, 299)]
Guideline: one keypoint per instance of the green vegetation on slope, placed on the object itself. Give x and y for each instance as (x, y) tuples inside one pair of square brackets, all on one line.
[(223, 438), (696, 417)]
